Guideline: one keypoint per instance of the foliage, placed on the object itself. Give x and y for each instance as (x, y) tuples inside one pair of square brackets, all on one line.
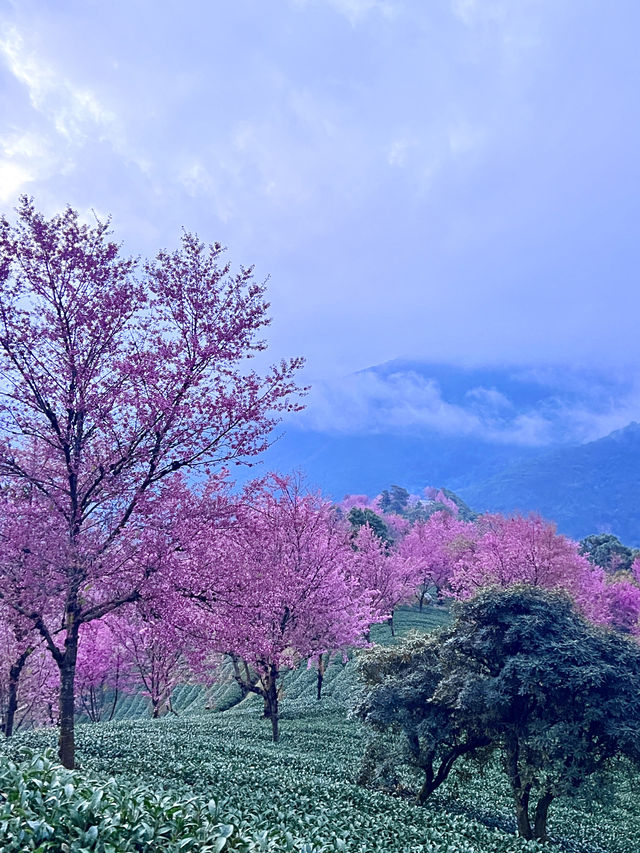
[(522, 672), (276, 588), (395, 500), (301, 794), (44, 807), (302, 791), (399, 685), (608, 552), (359, 517), (465, 513)]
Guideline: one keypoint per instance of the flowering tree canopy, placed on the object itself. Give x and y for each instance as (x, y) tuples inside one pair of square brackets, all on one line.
[(275, 589)]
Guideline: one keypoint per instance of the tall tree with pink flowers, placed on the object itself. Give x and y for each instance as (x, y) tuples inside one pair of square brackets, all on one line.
[(117, 376)]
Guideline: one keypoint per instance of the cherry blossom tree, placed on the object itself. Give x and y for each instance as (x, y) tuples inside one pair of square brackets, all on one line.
[(518, 550), (274, 590), (388, 577), (18, 642), (117, 376), (152, 654), (434, 546), (101, 672), (623, 596)]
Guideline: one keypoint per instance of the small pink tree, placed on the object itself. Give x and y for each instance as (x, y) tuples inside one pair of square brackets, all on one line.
[(623, 596), (387, 577), (101, 673), (152, 655), (529, 550), (434, 547)]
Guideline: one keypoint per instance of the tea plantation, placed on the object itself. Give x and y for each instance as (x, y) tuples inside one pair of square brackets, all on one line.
[(206, 781)]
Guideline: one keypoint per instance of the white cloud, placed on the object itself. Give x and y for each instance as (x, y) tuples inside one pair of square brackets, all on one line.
[(25, 158), (13, 179), (356, 10), (370, 402), (72, 109), (489, 397)]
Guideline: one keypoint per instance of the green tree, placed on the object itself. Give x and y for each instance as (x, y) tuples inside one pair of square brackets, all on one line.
[(395, 501), (358, 518), (608, 552), (465, 513), (406, 725), (519, 672)]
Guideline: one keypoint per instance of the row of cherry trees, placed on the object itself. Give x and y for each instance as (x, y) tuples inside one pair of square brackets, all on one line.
[(269, 579), (278, 576), (119, 377), (456, 558)]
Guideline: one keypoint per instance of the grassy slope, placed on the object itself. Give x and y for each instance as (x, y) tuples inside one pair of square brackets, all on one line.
[(300, 794)]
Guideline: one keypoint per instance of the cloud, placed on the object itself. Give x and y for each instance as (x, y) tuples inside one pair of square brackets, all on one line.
[(13, 180), (356, 10), (71, 108), (368, 402), (490, 398), (402, 401), (419, 179)]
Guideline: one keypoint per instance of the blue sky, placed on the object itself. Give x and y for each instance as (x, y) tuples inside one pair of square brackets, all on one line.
[(444, 180)]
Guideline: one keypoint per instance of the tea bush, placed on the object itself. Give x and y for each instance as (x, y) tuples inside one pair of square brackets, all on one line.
[(215, 781)]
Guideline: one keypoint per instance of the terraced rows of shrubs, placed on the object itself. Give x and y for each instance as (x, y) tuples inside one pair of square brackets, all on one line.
[(214, 781)]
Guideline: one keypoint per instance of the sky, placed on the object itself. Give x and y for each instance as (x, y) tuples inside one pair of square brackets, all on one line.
[(450, 181)]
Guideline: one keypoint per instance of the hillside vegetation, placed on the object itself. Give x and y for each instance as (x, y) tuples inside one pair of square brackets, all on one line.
[(212, 781)]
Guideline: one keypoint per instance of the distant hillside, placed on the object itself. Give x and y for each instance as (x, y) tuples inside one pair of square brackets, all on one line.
[(366, 464), (591, 488)]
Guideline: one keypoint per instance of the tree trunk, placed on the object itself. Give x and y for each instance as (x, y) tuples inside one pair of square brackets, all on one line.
[(67, 667), (272, 700), (14, 681), (423, 592), (522, 815), (115, 691), (66, 739), (428, 787), (321, 671), (390, 623), (542, 811), (433, 781), (519, 790)]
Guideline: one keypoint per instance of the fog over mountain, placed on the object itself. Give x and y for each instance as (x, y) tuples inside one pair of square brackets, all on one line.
[(554, 440)]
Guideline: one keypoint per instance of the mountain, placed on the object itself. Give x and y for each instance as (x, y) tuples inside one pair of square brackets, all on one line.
[(504, 439), (591, 488), (366, 464)]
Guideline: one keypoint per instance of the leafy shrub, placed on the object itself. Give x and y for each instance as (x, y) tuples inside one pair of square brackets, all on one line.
[(46, 808)]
